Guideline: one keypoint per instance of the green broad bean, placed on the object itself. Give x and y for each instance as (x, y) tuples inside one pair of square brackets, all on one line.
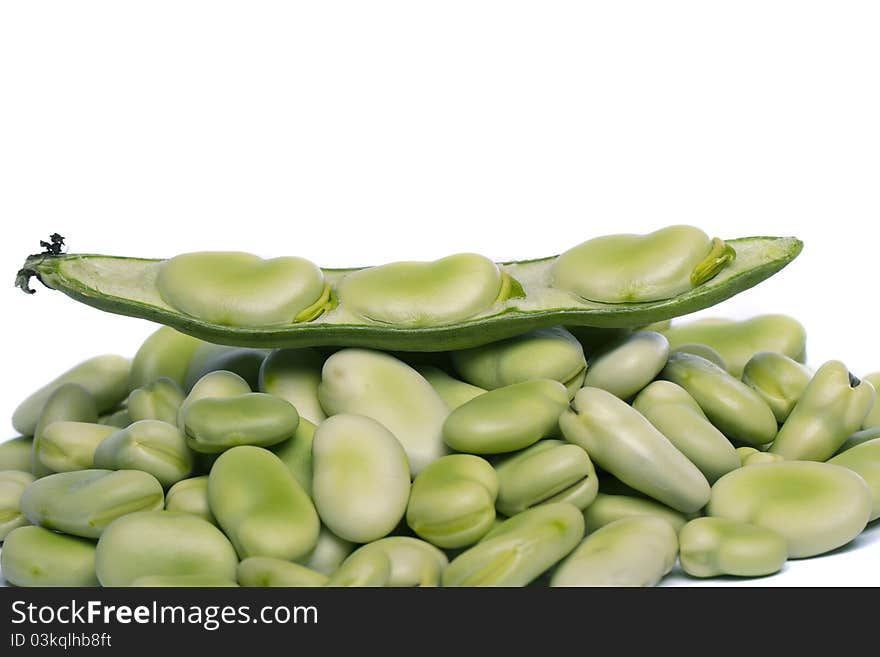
[(209, 358), (152, 446), (717, 546), (594, 338), (267, 515), (626, 367), (551, 353), (294, 375), (738, 341), (606, 508), (872, 419), (547, 472), (213, 384), (190, 496), (164, 354), (372, 569), (296, 454), (239, 299), (426, 293), (412, 563), (852, 440), (17, 454), (361, 479), (779, 380), (621, 441), (735, 409), (33, 556), (163, 544), (639, 268), (506, 419), (864, 460), (744, 452), (67, 446), (12, 485), (816, 507), (452, 502), (104, 377), (761, 457), (381, 387), (269, 571), (239, 289), (182, 581), (119, 419), (519, 549), (329, 553), (85, 502), (157, 400), (452, 391), (216, 424), (634, 551), (69, 402), (701, 350), (831, 408), (677, 416)]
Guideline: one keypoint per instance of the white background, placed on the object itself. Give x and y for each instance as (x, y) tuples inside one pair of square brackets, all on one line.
[(355, 133)]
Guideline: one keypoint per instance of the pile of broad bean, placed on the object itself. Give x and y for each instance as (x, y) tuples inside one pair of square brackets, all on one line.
[(564, 456)]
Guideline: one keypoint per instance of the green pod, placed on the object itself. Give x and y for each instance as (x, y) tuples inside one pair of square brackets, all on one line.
[(67, 446), (183, 581), (294, 375), (17, 454), (214, 384), (718, 546), (519, 549), (85, 502), (163, 544), (379, 386), (551, 353), (412, 563), (164, 354), (69, 402), (634, 551), (701, 350), (872, 419), (779, 380), (621, 441), (864, 460), (677, 416), (104, 377), (831, 408), (219, 423), (640, 268), (33, 556), (12, 485), (452, 502), (506, 419), (190, 496), (738, 341), (626, 367), (816, 506), (372, 569), (209, 358), (329, 553), (119, 419), (269, 571), (157, 400), (549, 471), (260, 506), (152, 446), (859, 437), (361, 478), (452, 391), (419, 294), (296, 454), (606, 508), (239, 299), (229, 288), (737, 410)]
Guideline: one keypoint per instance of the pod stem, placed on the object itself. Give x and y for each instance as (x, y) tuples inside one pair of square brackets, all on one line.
[(54, 247)]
